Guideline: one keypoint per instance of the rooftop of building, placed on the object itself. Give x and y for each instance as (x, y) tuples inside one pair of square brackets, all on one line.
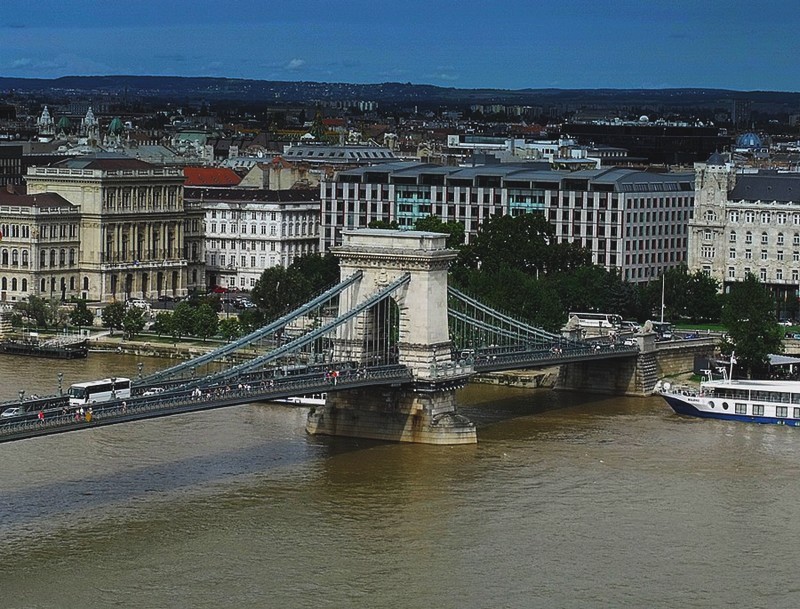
[(766, 186), (41, 200), (211, 176), (622, 179), (247, 195)]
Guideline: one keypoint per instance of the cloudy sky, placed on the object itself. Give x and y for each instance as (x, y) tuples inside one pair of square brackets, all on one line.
[(509, 44)]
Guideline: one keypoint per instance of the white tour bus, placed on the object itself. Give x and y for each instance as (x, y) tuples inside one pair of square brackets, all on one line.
[(608, 321), (103, 390)]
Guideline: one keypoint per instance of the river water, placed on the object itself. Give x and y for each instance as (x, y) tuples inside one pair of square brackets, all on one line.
[(568, 500)]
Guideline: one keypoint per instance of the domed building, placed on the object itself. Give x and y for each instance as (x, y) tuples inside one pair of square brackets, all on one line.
[(748, 142)]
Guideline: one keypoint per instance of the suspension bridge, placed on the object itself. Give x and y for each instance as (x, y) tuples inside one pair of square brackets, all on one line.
[(389, 345)]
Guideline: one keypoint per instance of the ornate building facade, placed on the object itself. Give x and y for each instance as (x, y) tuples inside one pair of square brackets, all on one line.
[(132, 224), (747, 221), (39, 246)]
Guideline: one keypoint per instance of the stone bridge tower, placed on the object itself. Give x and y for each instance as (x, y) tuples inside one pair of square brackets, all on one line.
[(425, 411), (419, 309)]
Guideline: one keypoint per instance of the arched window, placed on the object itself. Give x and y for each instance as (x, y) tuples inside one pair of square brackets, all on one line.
[(4, 257), (43, 259), (52, 257), (72, 256), (24, 285), (3, 284), (14, 258), (72, 283), (62, 257), (13, 284), (24, 257), (43, 286), (85, 283)]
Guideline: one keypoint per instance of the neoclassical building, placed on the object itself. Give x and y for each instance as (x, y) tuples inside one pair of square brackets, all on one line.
[(131, 227), (747, 221), (39, 246), (250, 230)]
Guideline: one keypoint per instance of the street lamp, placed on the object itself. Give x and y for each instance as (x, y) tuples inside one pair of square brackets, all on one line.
[(21, 395), (140, 366), (113, 388), (60, 384)]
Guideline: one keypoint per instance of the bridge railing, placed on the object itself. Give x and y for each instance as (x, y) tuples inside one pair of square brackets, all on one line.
[(199, 399)]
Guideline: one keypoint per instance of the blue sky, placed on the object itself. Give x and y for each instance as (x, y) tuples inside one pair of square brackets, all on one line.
[(509, 44)]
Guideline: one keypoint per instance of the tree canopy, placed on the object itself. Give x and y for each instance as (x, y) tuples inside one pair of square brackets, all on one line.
[(749, 315)]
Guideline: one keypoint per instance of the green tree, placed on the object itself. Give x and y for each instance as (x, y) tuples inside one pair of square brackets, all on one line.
[(383, 224), (113, 315), (526, 243), (163, 323), (206, 321), (453, 230), (182, 320), (133, 322), (81, 315), (44, 313), (753, 330), (230, 329)]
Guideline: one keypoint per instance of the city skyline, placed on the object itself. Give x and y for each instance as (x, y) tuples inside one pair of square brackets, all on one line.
[(509, 45)]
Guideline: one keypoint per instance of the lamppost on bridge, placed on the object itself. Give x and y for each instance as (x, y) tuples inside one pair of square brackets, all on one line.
[(60, 384), (113, 388), (139, 367), (21, 395)]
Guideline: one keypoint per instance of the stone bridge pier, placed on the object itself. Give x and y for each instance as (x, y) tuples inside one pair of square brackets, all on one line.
[(415, 322)]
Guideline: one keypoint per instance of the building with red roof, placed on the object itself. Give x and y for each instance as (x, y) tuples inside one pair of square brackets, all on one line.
[(211, 176)]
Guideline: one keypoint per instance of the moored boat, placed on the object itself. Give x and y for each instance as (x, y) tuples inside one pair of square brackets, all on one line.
[(56, 349), (313, 399), (773, 401)]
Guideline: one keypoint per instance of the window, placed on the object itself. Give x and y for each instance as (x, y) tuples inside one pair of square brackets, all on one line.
[(749, 216), (732, 237), (795, 275), (762, 274), (779, 274), (781, 217), (763, 254), (740, 408), (748, 237), (707, 235), (796, 414), (780, 238), (748, 254), (734, 216), (779, 255), (782, 411), (731, 273), (707, 251), (758, 410), (764, 239), (764, 217), (732, 254)]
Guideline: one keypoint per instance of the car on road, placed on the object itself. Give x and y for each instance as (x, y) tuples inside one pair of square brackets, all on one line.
[(14, 411), (154, 391)]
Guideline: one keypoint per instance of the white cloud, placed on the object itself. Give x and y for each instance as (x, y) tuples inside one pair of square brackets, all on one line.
[(22, 62), (295, 64)]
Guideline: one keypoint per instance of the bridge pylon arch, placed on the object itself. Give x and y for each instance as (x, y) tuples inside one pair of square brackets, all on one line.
[(414, 322)]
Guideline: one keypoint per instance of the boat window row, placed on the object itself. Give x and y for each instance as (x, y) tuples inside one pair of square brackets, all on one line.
[(777, 397), (781, 412)]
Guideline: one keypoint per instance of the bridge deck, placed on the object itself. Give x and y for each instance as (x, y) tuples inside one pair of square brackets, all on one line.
[(150, 407)]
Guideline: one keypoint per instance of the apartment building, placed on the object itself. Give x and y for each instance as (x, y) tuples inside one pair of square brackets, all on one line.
[(250, 230), (633, 221)]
